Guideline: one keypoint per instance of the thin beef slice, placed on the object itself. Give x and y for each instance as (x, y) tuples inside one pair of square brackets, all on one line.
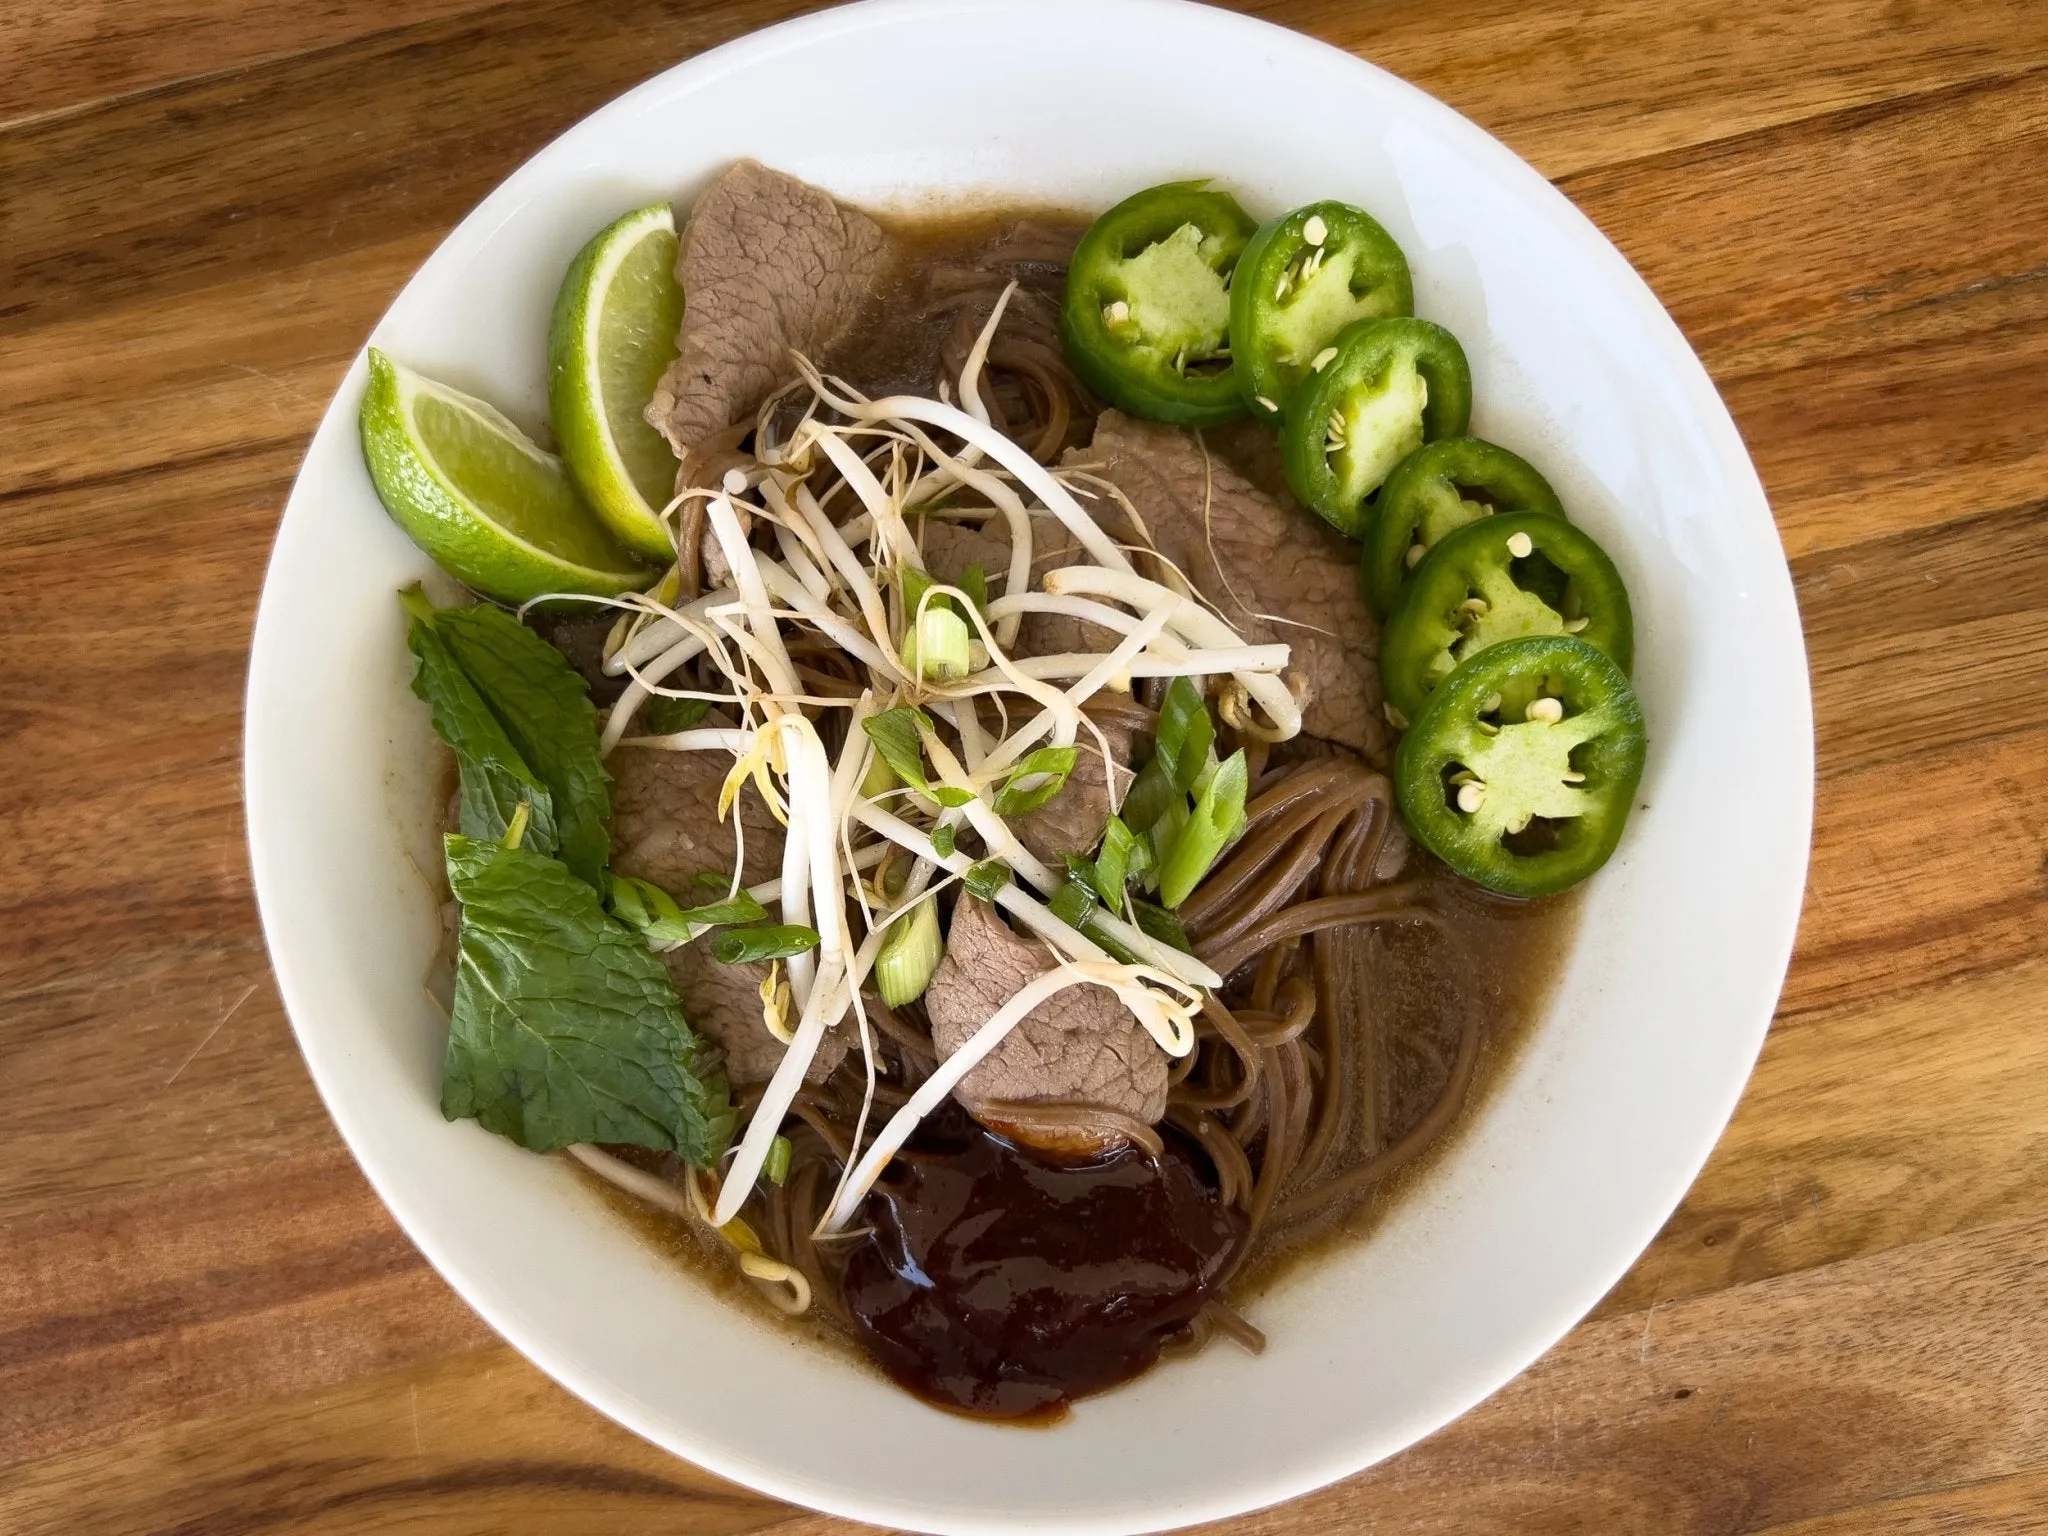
[(1079, 1045), (767, 263), (1072, 821), (665, 828), (1276, 558), (950, 547)]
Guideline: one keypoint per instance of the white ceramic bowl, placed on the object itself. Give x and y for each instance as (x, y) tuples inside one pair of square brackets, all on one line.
[(1576, 1159)]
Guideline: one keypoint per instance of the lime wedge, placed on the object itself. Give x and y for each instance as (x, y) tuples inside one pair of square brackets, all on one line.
[(494, 510), (613, 335)]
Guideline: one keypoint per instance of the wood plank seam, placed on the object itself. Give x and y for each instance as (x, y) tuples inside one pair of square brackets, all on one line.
[(1839, 122), (140, 473), (206, 77)]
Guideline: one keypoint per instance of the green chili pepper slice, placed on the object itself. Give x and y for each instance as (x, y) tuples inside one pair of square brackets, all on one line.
[(1301, 280), (1501, 578), (1373, 396), (1146, 320), (1438, 488), (1524, 802)]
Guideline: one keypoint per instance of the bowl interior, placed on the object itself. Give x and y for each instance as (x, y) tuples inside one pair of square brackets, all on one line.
[(1607, 1114)]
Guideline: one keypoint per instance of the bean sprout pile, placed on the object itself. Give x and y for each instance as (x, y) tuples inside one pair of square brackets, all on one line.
[(813, 536)]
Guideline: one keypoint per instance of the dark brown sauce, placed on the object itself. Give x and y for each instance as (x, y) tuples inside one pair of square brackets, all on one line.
[(1003, 1285), (1499, 957)]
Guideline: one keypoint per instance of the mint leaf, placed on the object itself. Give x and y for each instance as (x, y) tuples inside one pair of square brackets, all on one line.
[(565, 1027), (495, 780), (942, 839), (546, 711)]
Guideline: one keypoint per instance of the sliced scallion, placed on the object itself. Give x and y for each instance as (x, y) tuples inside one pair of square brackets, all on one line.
[(1152, 793), (1165, 835), (910, 953), (770, 941), (942, 839), (1185, 733), (776, 1166), (1158, 923), (987, 878), (1073, 903), (645, 906), (879, 779), (1111, 943), (974, 582), (1035, 781), (898, 741), (937, 646), (1113, 861), (1217, 819)]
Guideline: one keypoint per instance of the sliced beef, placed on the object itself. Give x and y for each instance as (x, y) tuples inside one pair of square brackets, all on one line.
[(1276, 558), (580, 636), (767, 263), (1072, 821), (665, 828), (950, 547), (1081, 1045)]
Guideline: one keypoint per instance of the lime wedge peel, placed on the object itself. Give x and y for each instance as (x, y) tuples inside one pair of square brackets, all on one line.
[(612, 337), (493, 508)]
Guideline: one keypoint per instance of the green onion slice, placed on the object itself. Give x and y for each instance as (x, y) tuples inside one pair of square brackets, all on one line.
[(987, 878), (1185, 734), (643, 905), (1113, 861), (1036, 780), (1074, 903), (1217, 820), (1158, 923), (910, 953), (776, 1166), (770, 941)]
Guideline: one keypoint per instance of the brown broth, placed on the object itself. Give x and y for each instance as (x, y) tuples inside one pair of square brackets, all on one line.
[(1504, 956)]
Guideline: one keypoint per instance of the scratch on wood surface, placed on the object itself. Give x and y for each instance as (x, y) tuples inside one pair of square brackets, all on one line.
[(282, 385), (1643, 1343), (418, 1451), (233, 1008)]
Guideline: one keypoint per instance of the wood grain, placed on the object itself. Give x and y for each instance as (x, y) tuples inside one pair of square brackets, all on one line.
[(207, 1322)]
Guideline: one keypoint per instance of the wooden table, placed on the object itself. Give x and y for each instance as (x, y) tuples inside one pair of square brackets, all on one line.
[(207, 1322)]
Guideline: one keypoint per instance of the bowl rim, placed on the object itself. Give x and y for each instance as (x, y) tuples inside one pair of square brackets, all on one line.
[(1783, 901)]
